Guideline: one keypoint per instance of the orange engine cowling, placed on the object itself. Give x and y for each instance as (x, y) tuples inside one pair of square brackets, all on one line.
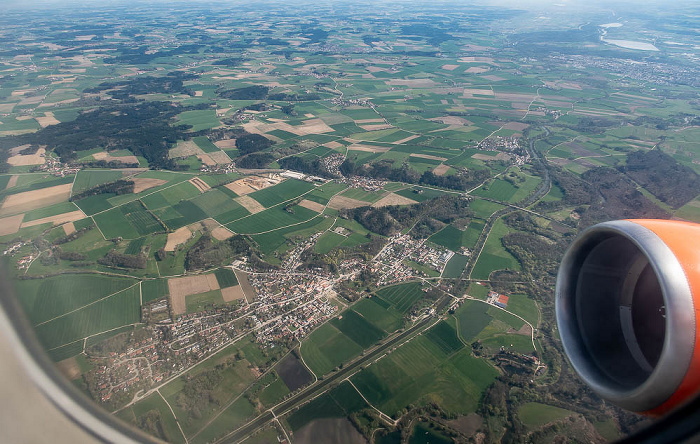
[(627, 301)]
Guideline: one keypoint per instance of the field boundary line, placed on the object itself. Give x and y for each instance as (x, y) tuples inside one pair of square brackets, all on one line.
[(382, 415), (174, 416), (94, 334)]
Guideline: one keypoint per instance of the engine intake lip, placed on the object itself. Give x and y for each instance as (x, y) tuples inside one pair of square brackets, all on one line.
[(680, 325)]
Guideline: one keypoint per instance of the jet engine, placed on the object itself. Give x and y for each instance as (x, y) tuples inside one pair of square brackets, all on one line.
[(627, 301)]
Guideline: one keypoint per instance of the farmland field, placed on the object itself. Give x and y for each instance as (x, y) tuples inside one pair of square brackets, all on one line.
[(87, 179), (249, 129), (337, 403), (419, 371), (154, 289), (271, 219), (225, 277), (289, 189), (472, 318), (357, 328), (114, 311), (45, 299), (445, 337), (154, 402), (328, 241), (494, 256), (326, 348), (382, 317), (401, 296)]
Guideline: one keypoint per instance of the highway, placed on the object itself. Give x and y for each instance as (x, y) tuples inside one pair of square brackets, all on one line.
[(322, 385)]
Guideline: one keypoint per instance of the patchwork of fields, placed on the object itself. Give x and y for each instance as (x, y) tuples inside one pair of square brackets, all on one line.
[(311, 193)]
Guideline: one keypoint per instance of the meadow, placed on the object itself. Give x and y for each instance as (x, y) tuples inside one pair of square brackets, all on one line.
[(535, 414)]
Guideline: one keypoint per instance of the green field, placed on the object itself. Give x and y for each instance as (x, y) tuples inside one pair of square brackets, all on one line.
[(273, 393), (494, 256), (234, 377), (154, 289), (401, 296), (498, 189), (170, 196), (53, 210), (45, 299), (233, 417), (226, 277), (284, 191), (449, 237), (365, 196), (472, 317), (87, 179), (166, 420), (204, 301), (327, 242), (420, 372), (358, 328), (128, 221), (199, 120), (525, 307), (272, 219), (445, 337), (215, 202), (535, 414), (337, 403), (114, 311), (385, 318), (205, 144), (327, 348), (455, 266)]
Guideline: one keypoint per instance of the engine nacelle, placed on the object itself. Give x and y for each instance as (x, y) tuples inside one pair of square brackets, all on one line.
[(627, 301)]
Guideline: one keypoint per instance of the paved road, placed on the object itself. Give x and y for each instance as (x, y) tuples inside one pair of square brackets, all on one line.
[(322, 385)]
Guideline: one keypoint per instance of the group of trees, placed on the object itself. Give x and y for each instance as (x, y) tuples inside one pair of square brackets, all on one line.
[(663, 176), (307, 165), (143, 128), (120, 260), (118, 187), (252, 143), (172, 83), (394, 218), (385, 170), (206, 253)]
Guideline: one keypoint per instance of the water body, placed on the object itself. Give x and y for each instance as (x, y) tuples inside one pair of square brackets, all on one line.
[(631, 44)]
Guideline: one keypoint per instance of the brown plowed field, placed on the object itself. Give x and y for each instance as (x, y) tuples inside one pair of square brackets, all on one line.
[(201, 185), (341, 203), (311, 205), (182, 287), (393, 199), (56, 220), (31, 200), (232, 293), (10, 225)]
